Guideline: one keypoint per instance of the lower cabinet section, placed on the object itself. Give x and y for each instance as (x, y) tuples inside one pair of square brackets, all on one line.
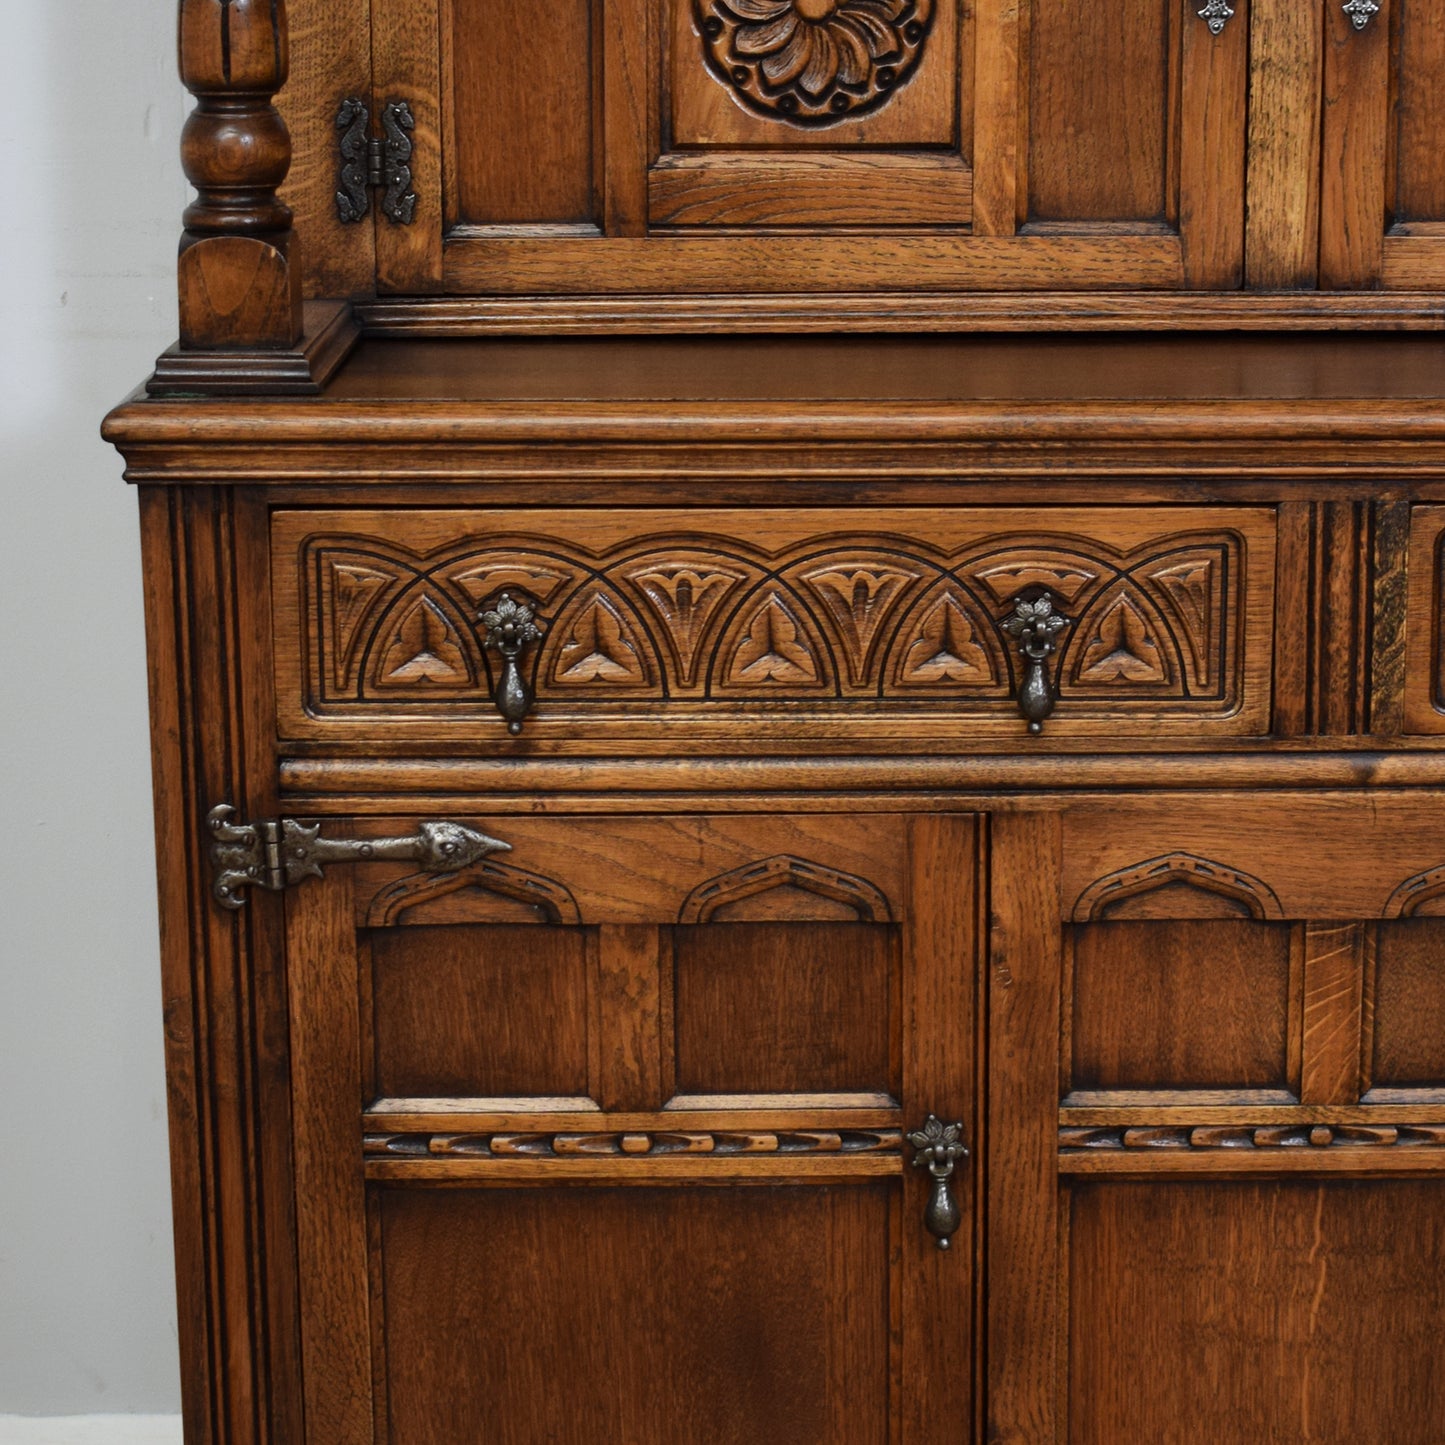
[(1090, 1121), (609, 1136)]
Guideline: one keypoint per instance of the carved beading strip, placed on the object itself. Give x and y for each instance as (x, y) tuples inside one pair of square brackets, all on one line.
[(1254, 1136), (570, 1145)]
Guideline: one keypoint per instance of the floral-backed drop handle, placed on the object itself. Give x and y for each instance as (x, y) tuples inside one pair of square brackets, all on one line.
[(511, 627), (940, 1146), (1035, 624)]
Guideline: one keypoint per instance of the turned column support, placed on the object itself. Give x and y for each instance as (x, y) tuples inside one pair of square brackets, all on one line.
[(239, 273), (244, 329)]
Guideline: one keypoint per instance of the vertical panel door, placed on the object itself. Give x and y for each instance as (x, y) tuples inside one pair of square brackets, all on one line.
[(605, 1137), (815, 146), (1383, 202), (1217, 1124)]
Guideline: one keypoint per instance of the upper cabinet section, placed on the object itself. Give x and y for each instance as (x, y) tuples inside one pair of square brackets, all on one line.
[(576, 147)]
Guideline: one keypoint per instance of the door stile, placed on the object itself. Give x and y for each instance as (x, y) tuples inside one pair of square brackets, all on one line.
[(1022, 1222), (331, 1224), (940, 975)]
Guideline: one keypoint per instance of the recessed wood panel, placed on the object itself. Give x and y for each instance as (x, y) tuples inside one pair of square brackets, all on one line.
[(1270, 1313), (521, 112), (491, 1011), (714, 1317), (787, 1007), (1172, 1004), (1420, 82), (1099, 106), (1410, 1004)]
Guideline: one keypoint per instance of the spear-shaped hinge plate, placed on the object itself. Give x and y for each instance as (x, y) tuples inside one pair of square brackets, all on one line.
[(277, 853), (370, 161)]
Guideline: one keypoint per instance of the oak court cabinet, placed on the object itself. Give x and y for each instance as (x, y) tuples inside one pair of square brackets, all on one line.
[(798, 685)]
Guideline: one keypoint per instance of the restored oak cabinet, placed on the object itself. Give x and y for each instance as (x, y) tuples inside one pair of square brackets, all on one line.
[(797, 674)]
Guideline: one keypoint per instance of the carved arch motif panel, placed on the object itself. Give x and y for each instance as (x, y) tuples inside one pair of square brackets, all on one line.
[(709, 618), (1218, 889)]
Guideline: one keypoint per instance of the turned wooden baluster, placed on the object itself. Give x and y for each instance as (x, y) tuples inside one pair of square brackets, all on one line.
[(240, 274)]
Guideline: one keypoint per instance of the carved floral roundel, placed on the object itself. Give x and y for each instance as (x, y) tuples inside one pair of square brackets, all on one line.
[(814, 61)]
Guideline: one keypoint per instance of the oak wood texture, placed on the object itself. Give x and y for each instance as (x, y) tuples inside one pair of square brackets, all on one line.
[(1234, 1283), (239, 281), (655, 618), (771, 1209)]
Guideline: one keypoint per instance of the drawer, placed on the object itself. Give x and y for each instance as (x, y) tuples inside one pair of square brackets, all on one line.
[(693, 627), (1424, 640)]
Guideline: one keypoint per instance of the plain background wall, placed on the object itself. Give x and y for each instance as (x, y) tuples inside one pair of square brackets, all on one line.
[(90, 117)]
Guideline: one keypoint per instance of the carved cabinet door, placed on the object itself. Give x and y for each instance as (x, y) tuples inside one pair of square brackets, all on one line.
[(1217, 1121), (778, 147), (1383, 203), (605, 1136)]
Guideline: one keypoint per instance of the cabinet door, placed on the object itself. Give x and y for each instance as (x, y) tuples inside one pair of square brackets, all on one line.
[(815, 146), (604, 1138), (1383, 204), (1217, 1123)]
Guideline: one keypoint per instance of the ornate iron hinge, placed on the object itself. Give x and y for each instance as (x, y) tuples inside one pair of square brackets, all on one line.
[(278, 853), (368, 161)]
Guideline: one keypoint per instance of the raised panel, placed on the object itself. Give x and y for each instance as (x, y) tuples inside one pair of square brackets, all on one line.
[(1181, 1004), (1409, 1034), (1100, 112), (716, 1317), (786, 1007), (1276, 1313), (479, 1010), (1425, 614), (520, 123)]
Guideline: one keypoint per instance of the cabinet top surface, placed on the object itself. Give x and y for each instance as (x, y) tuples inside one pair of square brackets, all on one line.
[(964, 369)]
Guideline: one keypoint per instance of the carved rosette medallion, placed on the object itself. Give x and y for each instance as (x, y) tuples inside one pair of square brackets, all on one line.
[(813, 61)]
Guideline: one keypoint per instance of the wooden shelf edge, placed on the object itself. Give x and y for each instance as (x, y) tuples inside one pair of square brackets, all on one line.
[(331, 331), (917, 311)]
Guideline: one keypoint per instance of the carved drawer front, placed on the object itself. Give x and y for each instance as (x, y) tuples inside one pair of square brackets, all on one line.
[(752, 627), (1424, 637)]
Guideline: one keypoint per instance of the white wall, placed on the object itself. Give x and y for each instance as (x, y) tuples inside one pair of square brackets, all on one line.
[(90, 114)]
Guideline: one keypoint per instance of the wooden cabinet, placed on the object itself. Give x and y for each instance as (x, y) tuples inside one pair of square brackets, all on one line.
[(660, 833), (634, 1091)]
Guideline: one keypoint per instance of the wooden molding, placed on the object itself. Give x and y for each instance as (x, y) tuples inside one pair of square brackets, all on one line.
[(301, 369)]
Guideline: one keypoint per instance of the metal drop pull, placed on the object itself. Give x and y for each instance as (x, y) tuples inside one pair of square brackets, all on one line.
[(511, 627), (940, 1146), (1361, 12), (278, 853), (1035, 624), (1216, 15)]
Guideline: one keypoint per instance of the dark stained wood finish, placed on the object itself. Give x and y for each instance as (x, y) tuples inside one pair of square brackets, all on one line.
[(1237, 1284), (456, 1010), (1192, 1004), (1409, 1006), (822, 1009), (764, 1315)]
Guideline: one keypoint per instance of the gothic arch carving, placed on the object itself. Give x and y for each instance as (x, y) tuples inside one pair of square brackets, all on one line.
[(1241, 893), (858, 895), (1416, 893), (550, 901)]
